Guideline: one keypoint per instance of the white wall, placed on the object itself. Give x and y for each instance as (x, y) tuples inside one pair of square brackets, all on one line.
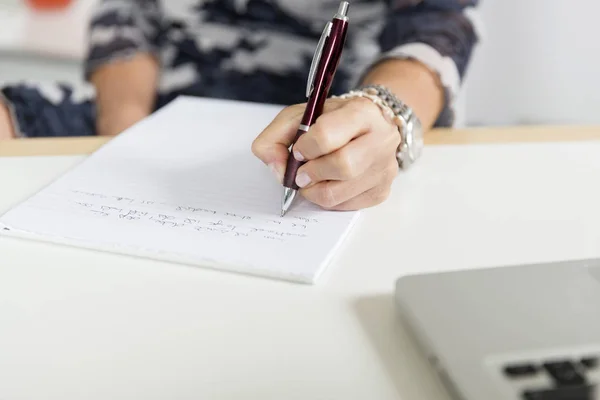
[(539, 64)]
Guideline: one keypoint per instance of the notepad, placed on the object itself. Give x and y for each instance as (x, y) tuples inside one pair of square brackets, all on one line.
[(184, 186)]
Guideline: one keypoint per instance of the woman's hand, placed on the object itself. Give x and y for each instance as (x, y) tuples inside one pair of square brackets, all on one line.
[(350, 153)]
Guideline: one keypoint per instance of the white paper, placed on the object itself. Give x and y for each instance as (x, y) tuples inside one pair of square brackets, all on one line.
[(183, 185)]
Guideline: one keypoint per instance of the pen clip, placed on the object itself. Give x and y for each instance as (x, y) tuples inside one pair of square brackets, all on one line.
[(317, 58)]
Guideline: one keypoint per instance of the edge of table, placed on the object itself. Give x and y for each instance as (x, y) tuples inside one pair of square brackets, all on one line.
[(496, 135)]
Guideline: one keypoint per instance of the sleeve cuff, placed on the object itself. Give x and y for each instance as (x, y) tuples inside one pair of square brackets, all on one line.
[(443, 66), (117, 33), (124, 54)]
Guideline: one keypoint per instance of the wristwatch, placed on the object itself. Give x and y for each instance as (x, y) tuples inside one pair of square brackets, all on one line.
[(409, 125)]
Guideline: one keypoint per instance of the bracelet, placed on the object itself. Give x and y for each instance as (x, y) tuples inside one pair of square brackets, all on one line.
[(372, 95)]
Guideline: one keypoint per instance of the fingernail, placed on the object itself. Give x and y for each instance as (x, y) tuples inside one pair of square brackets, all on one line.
[(298, 156), (302, 180), (276, 172)]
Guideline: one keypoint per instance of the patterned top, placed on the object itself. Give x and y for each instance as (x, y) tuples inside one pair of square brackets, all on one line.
[(261, 50)]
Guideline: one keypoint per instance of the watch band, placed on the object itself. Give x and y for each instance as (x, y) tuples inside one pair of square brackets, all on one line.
[(409, 125)]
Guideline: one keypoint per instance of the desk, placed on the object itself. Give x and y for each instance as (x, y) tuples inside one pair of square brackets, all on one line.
[(86, 145), (80, 324)]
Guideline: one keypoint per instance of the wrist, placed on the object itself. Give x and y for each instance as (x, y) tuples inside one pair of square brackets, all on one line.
[(413, 83)]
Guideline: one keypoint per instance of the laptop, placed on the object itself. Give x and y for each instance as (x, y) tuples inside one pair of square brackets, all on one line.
[(529, 332)]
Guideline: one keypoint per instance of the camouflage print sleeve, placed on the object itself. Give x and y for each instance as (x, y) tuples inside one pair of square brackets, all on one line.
[(121, 28), (439, 33)]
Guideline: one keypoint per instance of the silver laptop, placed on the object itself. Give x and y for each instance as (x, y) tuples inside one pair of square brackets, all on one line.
[(528, 332)]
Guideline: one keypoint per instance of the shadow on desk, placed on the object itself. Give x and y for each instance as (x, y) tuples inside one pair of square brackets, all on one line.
[(403, 361)]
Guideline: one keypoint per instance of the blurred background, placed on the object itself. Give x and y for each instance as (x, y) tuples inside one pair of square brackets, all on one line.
[(537, 63)]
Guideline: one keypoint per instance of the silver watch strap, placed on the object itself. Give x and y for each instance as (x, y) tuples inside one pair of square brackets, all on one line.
[(411, 130)]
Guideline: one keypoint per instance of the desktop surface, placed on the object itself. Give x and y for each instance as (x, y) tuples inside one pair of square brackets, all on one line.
[(84, 324)]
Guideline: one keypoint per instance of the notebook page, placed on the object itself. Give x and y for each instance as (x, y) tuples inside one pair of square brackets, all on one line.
[(183, 185)]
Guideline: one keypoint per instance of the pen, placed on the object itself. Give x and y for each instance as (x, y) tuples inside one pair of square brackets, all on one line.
[(322, 70)]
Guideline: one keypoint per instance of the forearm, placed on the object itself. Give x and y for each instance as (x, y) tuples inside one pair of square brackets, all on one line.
[(414, 84), (126, 92)]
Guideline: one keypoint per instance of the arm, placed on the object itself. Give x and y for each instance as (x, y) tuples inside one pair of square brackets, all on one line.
[(122, 63), (125, 92), (350, 151), (425, 53), (414, 83)]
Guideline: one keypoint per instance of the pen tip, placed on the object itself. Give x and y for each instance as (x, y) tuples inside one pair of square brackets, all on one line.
[(288, 198)]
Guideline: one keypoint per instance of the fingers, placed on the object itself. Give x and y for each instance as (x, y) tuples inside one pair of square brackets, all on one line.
[(336, 128), (347, 163), (352, 160), (271, 146), (364, 191), (370, 198)]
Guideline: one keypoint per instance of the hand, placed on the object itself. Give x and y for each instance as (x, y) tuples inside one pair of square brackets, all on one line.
[(114, 123), (6, 123), (350, 152)]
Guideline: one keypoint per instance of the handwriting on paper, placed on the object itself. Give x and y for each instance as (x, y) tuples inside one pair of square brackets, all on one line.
[(195, 219)]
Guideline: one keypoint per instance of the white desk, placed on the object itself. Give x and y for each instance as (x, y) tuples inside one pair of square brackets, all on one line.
[(78, 324)]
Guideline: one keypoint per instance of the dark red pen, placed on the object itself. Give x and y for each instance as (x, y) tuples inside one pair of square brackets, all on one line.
[(324, 65)]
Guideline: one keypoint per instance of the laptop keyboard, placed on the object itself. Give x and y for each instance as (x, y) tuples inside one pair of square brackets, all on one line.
[(565, 373), (569, 378), (562, 393)]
